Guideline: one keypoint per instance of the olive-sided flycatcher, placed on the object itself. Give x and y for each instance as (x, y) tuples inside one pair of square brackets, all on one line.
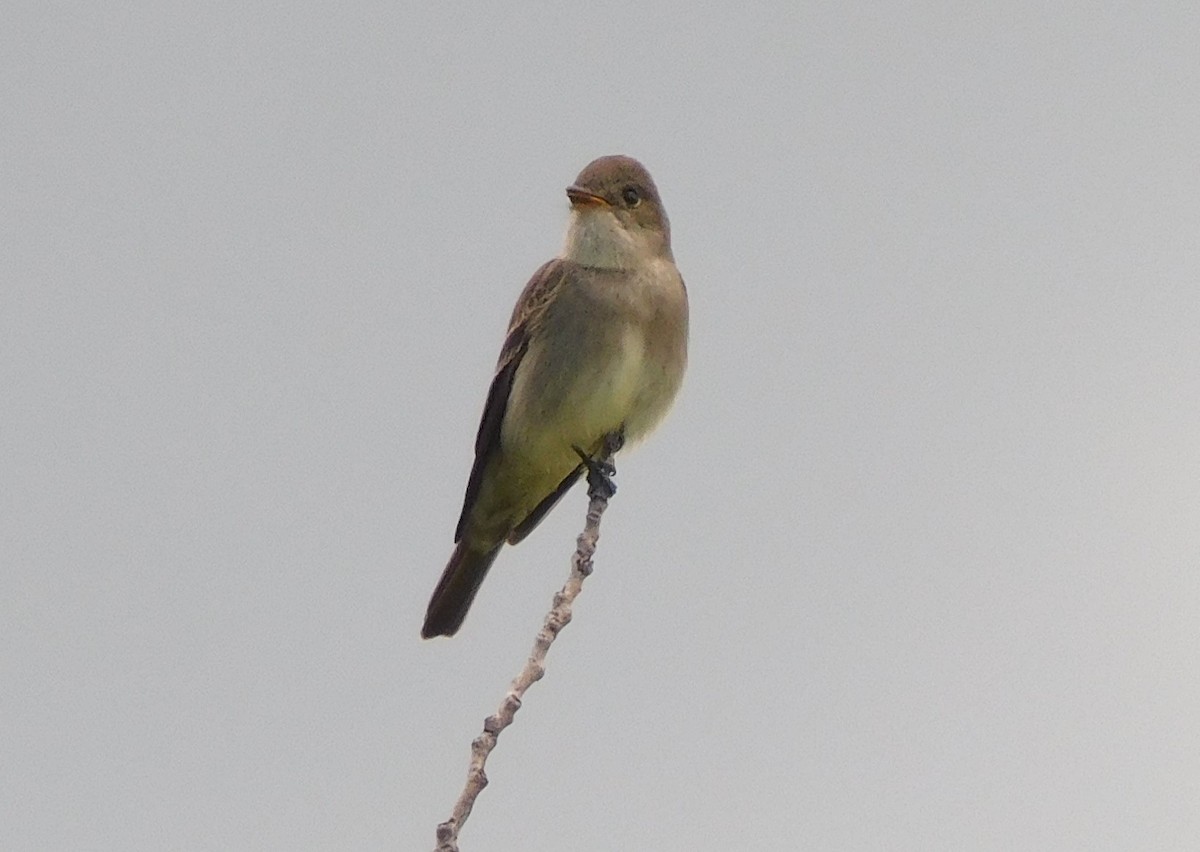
[(596, 351)]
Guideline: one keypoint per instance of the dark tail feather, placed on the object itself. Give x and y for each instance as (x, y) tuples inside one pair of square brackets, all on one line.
[(455, 591)]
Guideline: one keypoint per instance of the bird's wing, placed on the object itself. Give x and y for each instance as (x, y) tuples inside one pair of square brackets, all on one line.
[(525, 319), (548, 502)]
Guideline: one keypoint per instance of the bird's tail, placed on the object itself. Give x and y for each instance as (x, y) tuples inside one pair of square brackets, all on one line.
[(455, 591)]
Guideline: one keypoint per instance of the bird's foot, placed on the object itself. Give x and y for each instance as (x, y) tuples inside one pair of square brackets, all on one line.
[(600, 471), (613, 441)]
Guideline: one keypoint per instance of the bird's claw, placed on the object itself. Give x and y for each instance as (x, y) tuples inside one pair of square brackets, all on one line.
[(613, 442), (599, 474)]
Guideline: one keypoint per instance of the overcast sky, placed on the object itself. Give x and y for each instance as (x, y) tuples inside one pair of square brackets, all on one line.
[(914, 564)]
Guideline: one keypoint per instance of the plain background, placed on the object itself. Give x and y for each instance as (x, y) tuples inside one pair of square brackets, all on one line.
[(913, 564)]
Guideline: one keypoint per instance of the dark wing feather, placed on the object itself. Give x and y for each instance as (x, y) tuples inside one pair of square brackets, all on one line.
[(539, 511), (525, 317)]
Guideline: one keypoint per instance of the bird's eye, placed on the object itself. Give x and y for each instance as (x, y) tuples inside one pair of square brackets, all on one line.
[(631, 196)]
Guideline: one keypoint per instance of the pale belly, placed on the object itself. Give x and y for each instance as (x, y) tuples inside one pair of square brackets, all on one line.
[(577, 403)]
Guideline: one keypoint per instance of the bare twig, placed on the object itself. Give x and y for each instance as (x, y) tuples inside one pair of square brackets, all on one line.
[(556, 619)]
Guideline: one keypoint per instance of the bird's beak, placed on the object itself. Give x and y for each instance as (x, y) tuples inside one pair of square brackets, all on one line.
[(583, 198)]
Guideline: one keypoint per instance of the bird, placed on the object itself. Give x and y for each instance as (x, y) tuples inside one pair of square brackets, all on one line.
[(594, 355)]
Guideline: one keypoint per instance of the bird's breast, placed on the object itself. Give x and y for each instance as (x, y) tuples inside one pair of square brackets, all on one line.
[(607, 397), (610, 354)]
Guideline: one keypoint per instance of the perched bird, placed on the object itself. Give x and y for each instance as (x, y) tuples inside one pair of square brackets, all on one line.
[(595, 353)]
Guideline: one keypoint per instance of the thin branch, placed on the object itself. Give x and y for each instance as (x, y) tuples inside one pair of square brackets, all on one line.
[(557, 618)]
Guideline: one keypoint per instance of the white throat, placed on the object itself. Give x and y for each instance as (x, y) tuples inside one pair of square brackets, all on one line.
[(596, 238)]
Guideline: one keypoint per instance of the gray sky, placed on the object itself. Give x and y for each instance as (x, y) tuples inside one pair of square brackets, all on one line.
[(912, 565)]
